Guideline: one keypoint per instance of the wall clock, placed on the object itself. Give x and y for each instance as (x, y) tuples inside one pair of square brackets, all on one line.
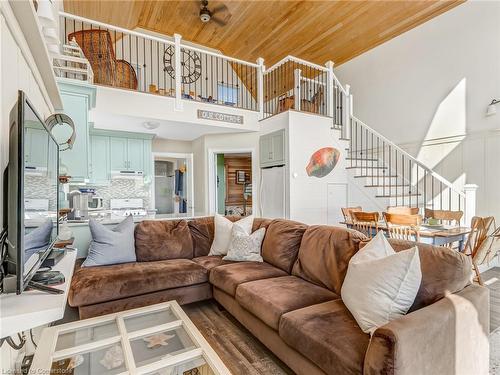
[(190, 64)]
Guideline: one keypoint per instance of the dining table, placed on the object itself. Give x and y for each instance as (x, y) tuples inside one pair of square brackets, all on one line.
[(437, 235)]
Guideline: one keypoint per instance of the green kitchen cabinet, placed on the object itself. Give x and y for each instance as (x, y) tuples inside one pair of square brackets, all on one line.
[(119, 158), (148, 158), (36, 147), (100, 168), (272, 149), (135, 154), (78, 99)]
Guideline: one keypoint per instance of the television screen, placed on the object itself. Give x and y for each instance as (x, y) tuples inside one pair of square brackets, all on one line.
[(33, 183)]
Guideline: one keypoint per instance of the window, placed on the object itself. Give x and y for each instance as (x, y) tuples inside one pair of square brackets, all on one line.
[(227, 94)]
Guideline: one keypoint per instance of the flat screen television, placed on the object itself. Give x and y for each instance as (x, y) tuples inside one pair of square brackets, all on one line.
[(32, 194)]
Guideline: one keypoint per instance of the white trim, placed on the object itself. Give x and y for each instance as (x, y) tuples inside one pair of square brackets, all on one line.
[(212, 175), (190, 163)]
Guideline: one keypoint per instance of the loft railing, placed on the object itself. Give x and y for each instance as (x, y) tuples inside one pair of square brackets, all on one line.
[(398, 175), (293, 83), (133, 60)]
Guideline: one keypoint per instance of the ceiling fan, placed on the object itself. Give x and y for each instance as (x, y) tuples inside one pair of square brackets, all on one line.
[(207, 15)]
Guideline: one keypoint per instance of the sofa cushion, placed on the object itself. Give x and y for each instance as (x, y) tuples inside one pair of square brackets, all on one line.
[(228, 277), (282, 242), (328, 335), (269, 299), (211, 261), (106, 283), (162, 240), (202, 232), (444, 271), (324, 255)]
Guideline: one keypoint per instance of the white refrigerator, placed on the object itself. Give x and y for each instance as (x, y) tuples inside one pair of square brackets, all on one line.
[(272, 192)]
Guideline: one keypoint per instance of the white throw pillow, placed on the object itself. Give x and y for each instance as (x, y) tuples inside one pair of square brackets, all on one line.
[(380, 284), (222, 234), (244, 246)]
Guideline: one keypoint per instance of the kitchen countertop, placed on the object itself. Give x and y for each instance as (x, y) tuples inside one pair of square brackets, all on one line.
[(111, 220)]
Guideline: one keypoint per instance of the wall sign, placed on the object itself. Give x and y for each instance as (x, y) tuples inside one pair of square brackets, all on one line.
[(219, 116)]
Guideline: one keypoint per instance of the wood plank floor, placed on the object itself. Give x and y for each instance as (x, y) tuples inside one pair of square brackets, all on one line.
[(239, 350), (491, 279)]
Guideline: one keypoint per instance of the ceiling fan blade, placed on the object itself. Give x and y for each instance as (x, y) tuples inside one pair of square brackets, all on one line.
[(218, 21), (221, 8)]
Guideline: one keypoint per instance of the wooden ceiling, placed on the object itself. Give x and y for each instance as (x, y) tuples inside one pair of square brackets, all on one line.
[(317, 31)]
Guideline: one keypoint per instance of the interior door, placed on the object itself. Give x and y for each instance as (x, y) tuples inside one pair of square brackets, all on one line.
[(272, 194)]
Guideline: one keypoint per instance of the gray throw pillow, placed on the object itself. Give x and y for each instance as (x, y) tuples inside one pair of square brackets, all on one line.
[(111, 246), (38, 239)]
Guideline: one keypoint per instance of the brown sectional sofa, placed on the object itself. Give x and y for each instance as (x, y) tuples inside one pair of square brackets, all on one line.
[(291, 301)]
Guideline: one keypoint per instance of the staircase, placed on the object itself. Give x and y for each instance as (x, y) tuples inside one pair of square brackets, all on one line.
[(393, 175)]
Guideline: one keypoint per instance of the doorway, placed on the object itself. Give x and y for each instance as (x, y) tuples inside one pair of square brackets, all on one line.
[(233, 183), (173, 183)]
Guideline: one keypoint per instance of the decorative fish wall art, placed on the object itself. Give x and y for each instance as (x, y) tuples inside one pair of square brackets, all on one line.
[(322, 162)]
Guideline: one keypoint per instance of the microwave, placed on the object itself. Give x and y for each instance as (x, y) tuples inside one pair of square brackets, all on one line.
[(95, 203)]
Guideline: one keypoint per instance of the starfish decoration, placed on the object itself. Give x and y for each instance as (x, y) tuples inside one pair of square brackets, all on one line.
[(158, 340), (74, 362)]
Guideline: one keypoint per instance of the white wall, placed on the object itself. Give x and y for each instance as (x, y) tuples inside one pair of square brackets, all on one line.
[(172, 145), (428, 90), (15, 74)]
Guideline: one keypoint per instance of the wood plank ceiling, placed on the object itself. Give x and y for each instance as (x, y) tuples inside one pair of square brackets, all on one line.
[(317, 31)]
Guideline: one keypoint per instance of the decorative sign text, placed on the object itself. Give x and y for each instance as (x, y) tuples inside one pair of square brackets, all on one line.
[(219, 116)]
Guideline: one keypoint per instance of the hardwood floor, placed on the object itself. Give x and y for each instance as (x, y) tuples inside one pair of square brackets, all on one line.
[(491, 279), (239, 350)]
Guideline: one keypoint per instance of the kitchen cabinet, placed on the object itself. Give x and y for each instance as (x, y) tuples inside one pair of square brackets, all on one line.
[(78, 99), (272, 149), (36, 147), (127, 154), (100, 168)]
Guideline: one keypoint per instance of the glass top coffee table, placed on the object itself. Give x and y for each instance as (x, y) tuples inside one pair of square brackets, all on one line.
[(158, 339)]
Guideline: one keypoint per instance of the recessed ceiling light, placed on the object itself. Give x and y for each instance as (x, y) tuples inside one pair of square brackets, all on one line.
[(151, 124)]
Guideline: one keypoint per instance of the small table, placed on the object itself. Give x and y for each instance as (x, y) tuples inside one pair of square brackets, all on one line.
[(434, 236), (158, 339)]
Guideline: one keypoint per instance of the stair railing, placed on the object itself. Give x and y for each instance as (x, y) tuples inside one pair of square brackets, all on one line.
[(396, 174)]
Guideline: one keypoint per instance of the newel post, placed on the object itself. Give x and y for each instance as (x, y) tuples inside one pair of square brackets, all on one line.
[(329, 90), (178, 72), (260, 86), (296, 90), (470, 202)]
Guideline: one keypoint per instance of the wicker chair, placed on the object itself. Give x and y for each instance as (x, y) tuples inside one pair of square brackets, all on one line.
[(98, 49)]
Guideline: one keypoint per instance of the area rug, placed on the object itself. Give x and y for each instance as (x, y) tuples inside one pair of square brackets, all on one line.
[(495, 352)]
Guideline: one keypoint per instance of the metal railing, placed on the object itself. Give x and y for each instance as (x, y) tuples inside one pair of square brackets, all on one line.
[(293, 83), (396, 174), (137, 61)]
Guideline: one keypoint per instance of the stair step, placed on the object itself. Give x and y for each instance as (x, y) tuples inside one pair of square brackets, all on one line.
[(398, 195), (387, 186), (365, 167), (359, 159), (375, 176)]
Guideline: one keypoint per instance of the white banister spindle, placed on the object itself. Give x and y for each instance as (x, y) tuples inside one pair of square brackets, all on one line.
[(296, 92), (347, 112), (330, 90), (178, 72), (470, 203), (260, 86)]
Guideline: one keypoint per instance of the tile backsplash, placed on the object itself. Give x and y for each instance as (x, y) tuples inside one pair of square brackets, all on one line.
[(121, 189), (38, 187)]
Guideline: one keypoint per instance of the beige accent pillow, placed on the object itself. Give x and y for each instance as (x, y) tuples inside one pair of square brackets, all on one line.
[(222, 232), (245, 247), (380, 284)]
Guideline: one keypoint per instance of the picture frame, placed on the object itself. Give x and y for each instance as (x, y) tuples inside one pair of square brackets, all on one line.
[(241, 177)]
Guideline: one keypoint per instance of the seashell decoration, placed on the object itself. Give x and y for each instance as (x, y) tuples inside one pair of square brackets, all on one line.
[(157, 340), (322, 162), (113, 357), (75, 361)]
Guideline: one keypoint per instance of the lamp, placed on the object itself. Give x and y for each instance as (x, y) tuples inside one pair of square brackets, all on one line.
[(491, 110)]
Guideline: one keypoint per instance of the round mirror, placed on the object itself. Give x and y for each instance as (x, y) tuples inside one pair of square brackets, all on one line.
[(63, 129)]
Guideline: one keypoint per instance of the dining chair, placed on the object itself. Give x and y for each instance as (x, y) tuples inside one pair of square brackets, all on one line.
[(483, 243), (446, 217), (403, 210), (346, 212), (365, 222), (403, 227)]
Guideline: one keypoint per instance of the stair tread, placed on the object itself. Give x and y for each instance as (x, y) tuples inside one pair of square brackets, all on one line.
[(399, 195), (349, 158), (387, 186), (376, 176), (361, 166)]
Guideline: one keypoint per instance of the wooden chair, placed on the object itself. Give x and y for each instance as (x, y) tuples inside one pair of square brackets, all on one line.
[(346, 212), (97, 47), (403, 227), (366, 222), (446, 217), (403, 210), (482, 243)]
